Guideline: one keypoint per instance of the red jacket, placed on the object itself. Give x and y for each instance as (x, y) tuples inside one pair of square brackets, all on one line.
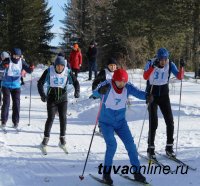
[(75, 59)]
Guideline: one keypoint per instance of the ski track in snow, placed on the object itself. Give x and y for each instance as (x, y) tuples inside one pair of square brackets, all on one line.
[(22, 163)]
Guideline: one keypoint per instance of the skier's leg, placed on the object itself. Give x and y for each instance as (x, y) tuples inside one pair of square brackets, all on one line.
[(62, 110), (166, 110), (6, 105), (51, 111), (111, 144), (15, 94), (125, 135)]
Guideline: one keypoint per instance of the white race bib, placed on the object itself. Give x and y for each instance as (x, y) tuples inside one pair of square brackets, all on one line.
[(116, 101), (159, 76), (58, 80), (14, 70)]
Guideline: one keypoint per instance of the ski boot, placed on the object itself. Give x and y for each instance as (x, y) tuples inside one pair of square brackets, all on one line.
[(169, 150), (62, 144), (107, 178), (151, 153), (139, 177)]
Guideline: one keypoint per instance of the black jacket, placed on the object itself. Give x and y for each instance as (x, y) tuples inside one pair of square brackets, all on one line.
[(56, 94), (92, 54)]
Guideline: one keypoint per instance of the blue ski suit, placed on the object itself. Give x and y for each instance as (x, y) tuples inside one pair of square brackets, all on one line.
[(112, 119)]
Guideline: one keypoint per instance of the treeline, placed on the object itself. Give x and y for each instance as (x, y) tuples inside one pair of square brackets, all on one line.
[(133, 30), (26, 24)]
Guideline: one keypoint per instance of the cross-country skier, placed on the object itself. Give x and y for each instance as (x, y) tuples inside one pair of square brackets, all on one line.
[(157, 72), (57, 77), (11, 85), (112, 119), (106, 73)]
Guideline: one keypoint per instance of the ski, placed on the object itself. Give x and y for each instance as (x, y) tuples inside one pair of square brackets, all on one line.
[(99, 180), (64, 148), (155, 161), (133, 180), (4, 130), (177, 161), (43, 149)]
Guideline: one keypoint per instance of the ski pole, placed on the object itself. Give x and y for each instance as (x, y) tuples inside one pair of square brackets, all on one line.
[(178, 116), (97, 118), (144, 118), (30, 102)]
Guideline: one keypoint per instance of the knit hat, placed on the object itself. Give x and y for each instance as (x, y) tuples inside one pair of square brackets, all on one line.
[(111, 61), (162, 53), (60, 61), (16, 51), (5, 55), (120, 75)]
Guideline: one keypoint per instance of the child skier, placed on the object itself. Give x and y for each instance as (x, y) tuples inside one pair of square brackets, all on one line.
[(106, 73), (56, 76), (157, 72), (112, 119)]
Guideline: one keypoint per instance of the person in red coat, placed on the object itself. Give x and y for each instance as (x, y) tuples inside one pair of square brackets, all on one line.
[(75, 59)]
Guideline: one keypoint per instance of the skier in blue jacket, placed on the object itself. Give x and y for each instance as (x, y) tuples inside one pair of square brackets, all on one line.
[(11, 85), (112, 119)]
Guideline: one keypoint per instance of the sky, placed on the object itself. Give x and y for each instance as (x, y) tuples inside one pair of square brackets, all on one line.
[(58, 14)]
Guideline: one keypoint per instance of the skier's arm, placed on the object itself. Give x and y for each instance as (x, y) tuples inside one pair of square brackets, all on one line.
[(26, 67), (134, 91), (148, 70), (102, 88), (100, 78), (41, 82), (178, 73)]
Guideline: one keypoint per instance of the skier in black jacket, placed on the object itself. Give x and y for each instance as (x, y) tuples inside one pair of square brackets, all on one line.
[(106, 73), (57, 77)]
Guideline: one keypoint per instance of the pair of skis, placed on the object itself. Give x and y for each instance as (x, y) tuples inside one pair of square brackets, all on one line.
[(175, 159), (123, 176), (5, 130), (43, 149)]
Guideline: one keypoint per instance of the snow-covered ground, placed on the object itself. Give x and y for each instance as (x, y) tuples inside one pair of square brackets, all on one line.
[(22, 164)]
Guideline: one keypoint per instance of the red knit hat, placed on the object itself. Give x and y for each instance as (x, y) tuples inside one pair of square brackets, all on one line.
[(120, 75)]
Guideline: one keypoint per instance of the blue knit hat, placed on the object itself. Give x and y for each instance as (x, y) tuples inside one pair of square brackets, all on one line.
[(162, 53), (60, 61), (16, 51)]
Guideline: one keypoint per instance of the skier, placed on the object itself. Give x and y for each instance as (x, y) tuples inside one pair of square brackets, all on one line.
[(4, 57), (106, 73), (103, 75), (75, 59), (57, 77), (112, 119), (157, 73), (11, 85)]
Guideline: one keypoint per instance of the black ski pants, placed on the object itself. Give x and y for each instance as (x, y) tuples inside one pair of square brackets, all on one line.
[(165, 106), (52, 109), (15, 94)]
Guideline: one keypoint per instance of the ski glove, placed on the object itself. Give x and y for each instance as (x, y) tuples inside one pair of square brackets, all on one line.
[(104, 89), (76, 94), (182, 63), (44, 98), (149, 98), (155, 63)]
